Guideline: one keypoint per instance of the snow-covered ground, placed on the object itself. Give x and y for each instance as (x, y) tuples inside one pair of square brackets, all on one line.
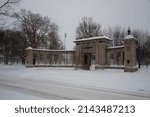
[(6, 94), (68, 83)]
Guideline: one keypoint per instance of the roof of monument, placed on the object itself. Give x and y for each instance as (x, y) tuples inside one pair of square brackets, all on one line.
[(94, 38), (49, 50), (129, 37), (116, 47), (29, 48)]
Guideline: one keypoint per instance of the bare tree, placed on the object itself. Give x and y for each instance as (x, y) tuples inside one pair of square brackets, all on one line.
[(88, 28), (146, 52), (39, 31), (18, 45), (34, 26), (53, 38), (12, 45), (108, 32), (118, 35), (143, 46), (5, 43), (6, 6)]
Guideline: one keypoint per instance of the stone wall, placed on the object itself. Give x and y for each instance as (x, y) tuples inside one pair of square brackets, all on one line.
[(115, 55), (45, 57)]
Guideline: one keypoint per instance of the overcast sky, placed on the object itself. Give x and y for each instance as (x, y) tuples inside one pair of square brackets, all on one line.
[(68, 13)]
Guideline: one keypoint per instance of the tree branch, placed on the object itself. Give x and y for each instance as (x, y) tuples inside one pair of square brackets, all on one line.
[(9, 2)]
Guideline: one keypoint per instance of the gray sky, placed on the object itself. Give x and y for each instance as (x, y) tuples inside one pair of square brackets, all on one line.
[(68, 13)]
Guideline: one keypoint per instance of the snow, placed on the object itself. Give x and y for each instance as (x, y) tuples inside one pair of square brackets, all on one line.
[(29, 48), (116, 47), (93, 38), (129, 37), (49, 50), (83, 82), (7, 94)]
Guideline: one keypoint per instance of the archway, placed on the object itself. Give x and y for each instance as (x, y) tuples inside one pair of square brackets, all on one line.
[(87, 60)]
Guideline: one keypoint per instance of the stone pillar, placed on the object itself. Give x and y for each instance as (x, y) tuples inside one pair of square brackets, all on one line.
[(130, 54), (77, 55), (115, 62), (101, 55), (97, 55), (45, 58), (53, 59), (66, 58), (59, 59), (38, 58), (29, 57), (82, 62), (121, 58), (74, 59)]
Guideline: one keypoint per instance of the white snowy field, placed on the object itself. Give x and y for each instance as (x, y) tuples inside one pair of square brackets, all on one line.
[(68, 83), (6, 94)]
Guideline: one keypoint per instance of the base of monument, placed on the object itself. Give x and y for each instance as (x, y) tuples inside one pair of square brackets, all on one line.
[(84, 67), (131, 69)]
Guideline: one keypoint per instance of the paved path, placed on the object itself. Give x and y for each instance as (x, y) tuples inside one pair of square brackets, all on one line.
[(43, 89)]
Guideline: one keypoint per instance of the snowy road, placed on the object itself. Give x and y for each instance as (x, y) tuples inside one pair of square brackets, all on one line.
[(18, 82), (59, 90)]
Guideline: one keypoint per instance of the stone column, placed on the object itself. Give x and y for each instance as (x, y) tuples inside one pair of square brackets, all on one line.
[(115, 58), (38, 58), (74, 58), (66, 54), (77, 55), (101, 55), (52, 59), (45, 58), (121, 58), (130, 54), (81, 57), (29, 57), (59, 59), (97, 55)]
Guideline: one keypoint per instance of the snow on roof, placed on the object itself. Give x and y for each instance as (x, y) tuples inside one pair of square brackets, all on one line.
[(114, 47), (49, 50), (29, 48), (94, 38), (129, 37)]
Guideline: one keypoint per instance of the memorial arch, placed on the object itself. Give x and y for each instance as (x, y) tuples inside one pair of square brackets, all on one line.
[(98, 51)]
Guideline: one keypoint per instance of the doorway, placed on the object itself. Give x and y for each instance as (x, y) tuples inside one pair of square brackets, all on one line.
[(87, 60)]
